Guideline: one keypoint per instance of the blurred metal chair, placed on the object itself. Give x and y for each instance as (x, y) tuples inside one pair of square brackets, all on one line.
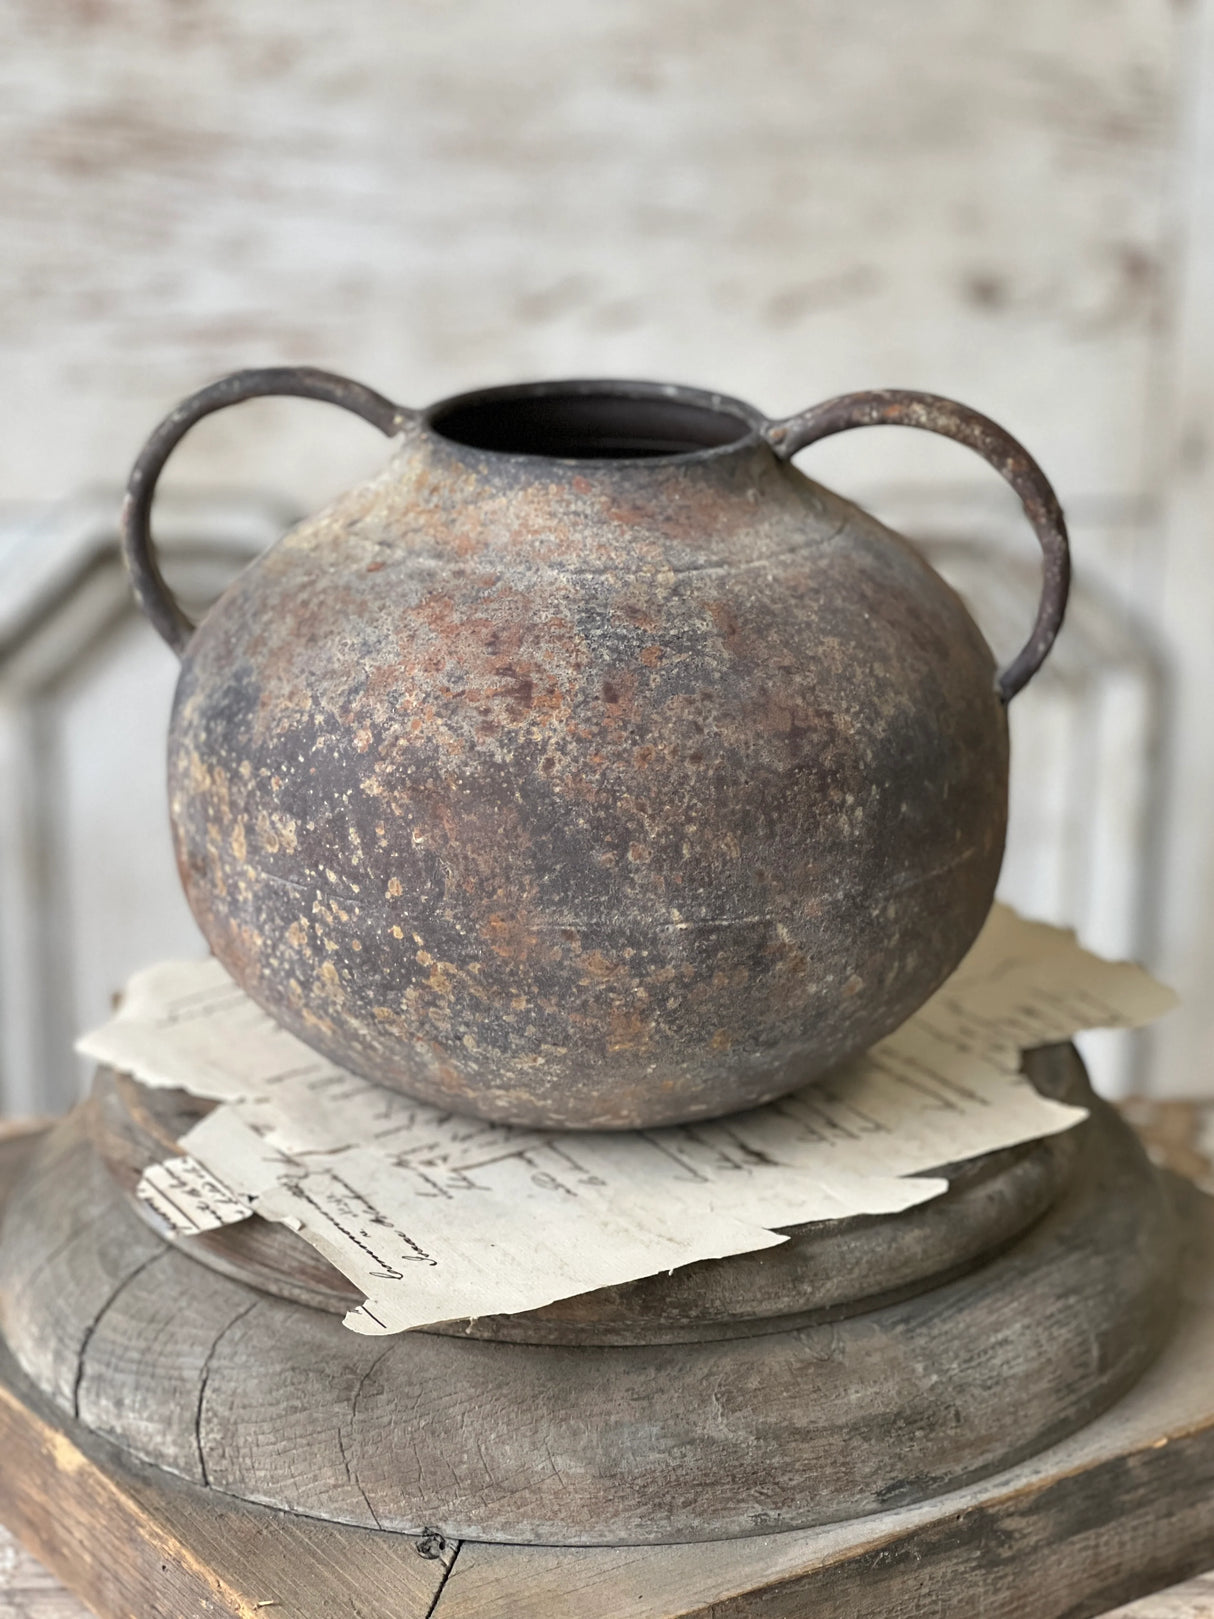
[(88, 889)]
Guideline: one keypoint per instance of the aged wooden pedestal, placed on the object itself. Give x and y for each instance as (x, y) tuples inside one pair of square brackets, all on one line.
[(1070, 1287)]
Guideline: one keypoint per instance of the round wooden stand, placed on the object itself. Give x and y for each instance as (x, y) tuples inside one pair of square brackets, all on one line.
[(864, 1364)]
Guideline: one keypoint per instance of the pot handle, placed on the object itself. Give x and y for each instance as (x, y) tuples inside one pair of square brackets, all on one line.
[(134, 524), (900, 407)]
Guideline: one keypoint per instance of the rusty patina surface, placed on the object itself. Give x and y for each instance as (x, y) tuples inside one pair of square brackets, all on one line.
[(589, 792)]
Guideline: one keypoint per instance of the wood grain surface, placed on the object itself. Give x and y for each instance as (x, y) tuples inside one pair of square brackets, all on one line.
[(29, 1591), (136, 1541), (1193, 1599), (561, 1445), (1123, 1507)]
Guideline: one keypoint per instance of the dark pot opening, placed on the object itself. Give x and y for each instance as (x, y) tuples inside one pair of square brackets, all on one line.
[(568, 423)]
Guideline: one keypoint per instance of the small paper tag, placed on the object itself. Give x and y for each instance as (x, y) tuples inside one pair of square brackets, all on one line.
[(189, 1198)]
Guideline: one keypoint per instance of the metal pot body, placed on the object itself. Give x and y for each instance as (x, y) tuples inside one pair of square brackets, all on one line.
[(591, 792)]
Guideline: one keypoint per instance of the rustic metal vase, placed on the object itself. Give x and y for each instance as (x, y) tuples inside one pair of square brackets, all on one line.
[(591, 767)]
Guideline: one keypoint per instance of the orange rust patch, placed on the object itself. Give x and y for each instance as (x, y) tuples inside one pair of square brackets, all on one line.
[(628, 1030), (595, 965), (443, 978), (511, 938)]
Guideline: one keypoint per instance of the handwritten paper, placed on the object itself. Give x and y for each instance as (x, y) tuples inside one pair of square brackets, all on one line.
[(188, 1197), (437, 1217)]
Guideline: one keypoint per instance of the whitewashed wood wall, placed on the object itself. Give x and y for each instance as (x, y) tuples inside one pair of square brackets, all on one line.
[(1011, 204)]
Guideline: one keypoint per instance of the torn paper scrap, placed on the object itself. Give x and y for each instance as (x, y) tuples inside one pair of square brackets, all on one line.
[(186, 1025), (1027, 984), (549, 1221), (436, 1216), (189, 1197)]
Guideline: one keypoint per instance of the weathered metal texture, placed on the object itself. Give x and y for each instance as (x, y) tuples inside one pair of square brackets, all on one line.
[(591, 767), (898, 407)]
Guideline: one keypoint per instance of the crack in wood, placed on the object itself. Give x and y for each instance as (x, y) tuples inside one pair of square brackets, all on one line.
[(341, 1443), (82, 1352), (365, 1378), (355, 1481), (442, 1584), (203, 1378)]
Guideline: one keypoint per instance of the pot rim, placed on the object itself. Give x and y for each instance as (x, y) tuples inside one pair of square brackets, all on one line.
[(711, 403)]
